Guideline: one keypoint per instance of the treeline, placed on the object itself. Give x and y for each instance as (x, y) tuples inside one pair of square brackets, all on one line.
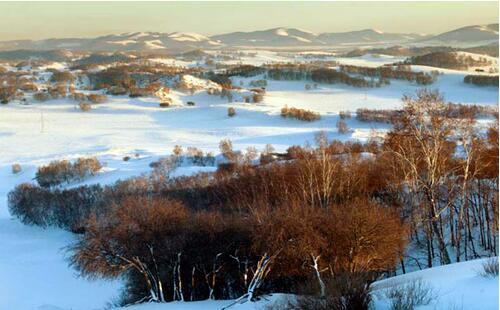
[(400, 72), (297, 72), (482, 80), (133, 75), (449, 60), (313, 215), (449, 110)]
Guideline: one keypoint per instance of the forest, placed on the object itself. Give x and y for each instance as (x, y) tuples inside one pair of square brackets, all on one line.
[(323, 221)]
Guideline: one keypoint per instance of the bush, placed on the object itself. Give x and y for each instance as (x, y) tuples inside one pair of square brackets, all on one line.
[(85, 106), (258, 83), (257, 98), (58, 91), (28, 87), (67, 209), (57, 172), (77, 96), (116, 91), (490, 268), (300, 114), (16, 168), (411, 295), (231, 112), (482, 80), (62, 77), (97, 98), (344, 114), (7, 93), (342, 127), (41, 96), (126, 158), (344, 292), (140, 92), (191, 103)]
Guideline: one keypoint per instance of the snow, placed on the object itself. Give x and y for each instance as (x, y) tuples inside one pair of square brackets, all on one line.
[(457, 286), (34, 270), (122, 42), (281, 32), (188, 36), (154, 44)]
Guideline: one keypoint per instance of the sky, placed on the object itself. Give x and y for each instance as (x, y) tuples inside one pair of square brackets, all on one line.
[(41, 20)]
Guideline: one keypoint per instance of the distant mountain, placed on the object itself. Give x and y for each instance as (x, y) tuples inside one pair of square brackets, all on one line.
[(137, 41), (293, 36), (470, 35), (276, 37), (270, 37), (368, 36)]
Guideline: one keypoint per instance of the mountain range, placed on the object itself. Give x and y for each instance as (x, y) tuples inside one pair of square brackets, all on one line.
[(276, 37)]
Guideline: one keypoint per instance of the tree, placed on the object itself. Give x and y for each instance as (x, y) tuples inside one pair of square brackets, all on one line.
[(423, 152)]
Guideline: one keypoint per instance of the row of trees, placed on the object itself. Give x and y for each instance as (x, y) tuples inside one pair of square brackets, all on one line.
[(482, 80), (400, 72), (449, 60)]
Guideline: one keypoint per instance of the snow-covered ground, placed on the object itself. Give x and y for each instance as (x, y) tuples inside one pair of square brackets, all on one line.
[(34, 272), (455, 286)]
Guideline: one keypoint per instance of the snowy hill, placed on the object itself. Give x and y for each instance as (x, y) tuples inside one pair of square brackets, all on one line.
[(270, 37), (367, 36), (275, 37), (454, 286), (471, 35)]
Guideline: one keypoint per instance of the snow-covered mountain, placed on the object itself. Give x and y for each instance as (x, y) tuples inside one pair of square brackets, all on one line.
[(470, 35), (276, 37), (136, 41), (270, 37), (368, 36)]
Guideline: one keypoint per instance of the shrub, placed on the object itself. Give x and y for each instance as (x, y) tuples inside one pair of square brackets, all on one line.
[(231, 112), (85, 106), (97, 98), (126, 158), (16, 168), (177, 151), (482, 80), (58, 91), (226, 149), (345, 114), (490, 268), (257, 83), (7, 93), (28, 87), (140, 92), (165, 103), (342, 127), (68, 209), (345, 291), (410, 295), (62, 77), (300, 114), (191, 103), (57, 172), (257, 98), (41, 96), (116, 91), (84, 167), (77, 96)]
